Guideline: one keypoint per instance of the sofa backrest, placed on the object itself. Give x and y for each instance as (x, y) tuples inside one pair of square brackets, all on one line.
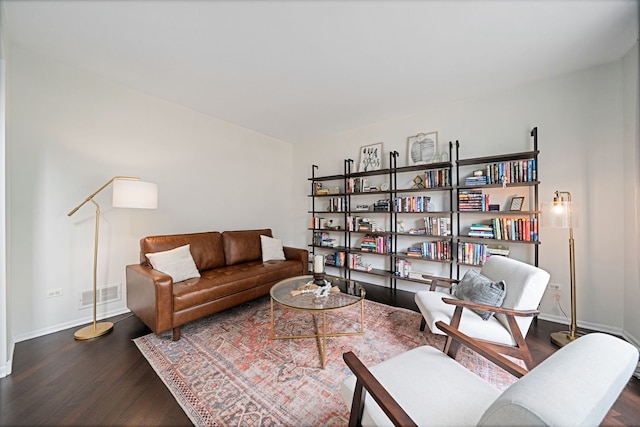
[(243, 246), (207, 249)]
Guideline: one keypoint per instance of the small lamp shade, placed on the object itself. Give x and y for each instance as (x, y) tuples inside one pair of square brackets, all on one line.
[(135, 194), (559, 214)]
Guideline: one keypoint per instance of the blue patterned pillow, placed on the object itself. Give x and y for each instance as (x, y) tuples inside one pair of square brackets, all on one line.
[(475, 287)]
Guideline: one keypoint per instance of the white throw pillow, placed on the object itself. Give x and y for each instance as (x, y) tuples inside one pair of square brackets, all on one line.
[(177, 263), (271, 249)]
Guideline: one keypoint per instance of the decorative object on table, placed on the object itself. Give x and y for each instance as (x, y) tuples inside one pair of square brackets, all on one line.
[(312, 288), (401, 226), (370, 158), (422, 148), (516, 203), (318, 270), (561, 213), (384, 186), (418, 182), (128, 192)]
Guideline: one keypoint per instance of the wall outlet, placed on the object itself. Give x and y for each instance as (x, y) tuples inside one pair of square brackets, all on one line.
[(554, 287), (51, 293)]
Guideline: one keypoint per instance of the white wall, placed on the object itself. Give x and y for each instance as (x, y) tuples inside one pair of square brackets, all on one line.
[(6, 344), (71, 131), (579, 120), (631, 69)]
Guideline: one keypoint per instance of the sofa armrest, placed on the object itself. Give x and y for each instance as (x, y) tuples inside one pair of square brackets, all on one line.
[(296, 254), (150, 297)]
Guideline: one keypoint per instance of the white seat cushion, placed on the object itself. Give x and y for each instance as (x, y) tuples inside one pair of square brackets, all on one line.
[(433, 309), (422, 378)]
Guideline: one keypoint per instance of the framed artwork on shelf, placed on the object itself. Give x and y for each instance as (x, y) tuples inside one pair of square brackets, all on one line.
[(516, 203), (370, 158), (422, 148)]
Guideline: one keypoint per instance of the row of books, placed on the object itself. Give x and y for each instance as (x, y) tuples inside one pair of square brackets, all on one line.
[(336, 259), (357, 223), (481, 230), (476, 180), (357, 185), (473, 200), (477, 253), (411, 204), (377, 244), (439, 250), (437, 178), (437, 226), (316, 222), (337, 204), (523, 229), (403, 268), (356, 262), (510, 172), (324, 239)]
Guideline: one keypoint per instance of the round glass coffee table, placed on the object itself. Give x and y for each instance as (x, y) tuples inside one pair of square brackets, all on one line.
[(351, 294)]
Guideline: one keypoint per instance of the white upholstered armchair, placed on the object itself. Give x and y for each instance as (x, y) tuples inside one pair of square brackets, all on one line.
[(576, 386), (522, 288)]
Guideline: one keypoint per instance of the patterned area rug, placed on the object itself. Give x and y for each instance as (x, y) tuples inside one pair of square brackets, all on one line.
[(227, 371)]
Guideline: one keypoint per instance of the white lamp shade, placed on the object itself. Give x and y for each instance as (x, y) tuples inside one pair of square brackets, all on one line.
[(135, 194)]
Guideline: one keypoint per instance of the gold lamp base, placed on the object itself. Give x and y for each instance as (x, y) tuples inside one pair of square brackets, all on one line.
[(93, 331), (563, 338)]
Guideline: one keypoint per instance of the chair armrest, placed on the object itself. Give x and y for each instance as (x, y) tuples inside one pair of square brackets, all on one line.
[(482, 349), (297, 254), (150, 296), (443, 282), (485, 307), (366, 381)]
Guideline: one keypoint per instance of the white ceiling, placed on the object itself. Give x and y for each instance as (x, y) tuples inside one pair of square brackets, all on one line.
[(300, 69)]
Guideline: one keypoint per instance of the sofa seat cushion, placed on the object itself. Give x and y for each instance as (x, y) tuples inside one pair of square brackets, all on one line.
[(225, 281), (436, 378), (432, 309)]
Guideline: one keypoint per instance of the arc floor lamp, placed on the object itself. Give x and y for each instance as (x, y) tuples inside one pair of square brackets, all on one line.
[(128, 192), (561, 214)]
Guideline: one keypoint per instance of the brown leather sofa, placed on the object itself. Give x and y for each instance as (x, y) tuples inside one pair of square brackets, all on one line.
[(231, 269)]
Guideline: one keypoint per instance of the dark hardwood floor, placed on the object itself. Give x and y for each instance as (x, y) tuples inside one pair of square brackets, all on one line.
[(106, 381)]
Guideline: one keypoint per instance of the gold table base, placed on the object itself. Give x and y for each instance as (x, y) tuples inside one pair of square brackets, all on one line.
[(320, 336)]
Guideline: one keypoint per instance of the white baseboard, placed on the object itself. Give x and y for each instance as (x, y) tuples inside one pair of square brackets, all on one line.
[(67, 325)]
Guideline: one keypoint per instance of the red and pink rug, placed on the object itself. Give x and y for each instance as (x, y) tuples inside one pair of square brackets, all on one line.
[(226, 370)]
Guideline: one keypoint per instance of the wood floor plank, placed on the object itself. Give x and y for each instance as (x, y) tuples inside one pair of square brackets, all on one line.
[(106, 381)]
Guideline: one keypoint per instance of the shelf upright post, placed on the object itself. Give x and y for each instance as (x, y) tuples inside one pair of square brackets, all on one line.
[(393, 187), (451, 205), (313, 207), (457, 208), (536, 206), (347, 233)]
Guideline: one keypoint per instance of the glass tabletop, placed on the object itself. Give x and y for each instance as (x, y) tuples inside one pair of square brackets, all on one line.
[(351, 292)]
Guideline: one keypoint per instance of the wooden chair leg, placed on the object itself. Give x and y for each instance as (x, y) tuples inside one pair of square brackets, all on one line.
[(423, 323), (176, 333), (523, 348), (451, 346)]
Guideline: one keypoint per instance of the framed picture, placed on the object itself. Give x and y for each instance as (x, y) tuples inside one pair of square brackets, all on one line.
[(516, 203), (422, 148), (370, 158)]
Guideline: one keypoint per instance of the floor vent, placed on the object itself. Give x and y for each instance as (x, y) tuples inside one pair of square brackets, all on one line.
[(104, 295)]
